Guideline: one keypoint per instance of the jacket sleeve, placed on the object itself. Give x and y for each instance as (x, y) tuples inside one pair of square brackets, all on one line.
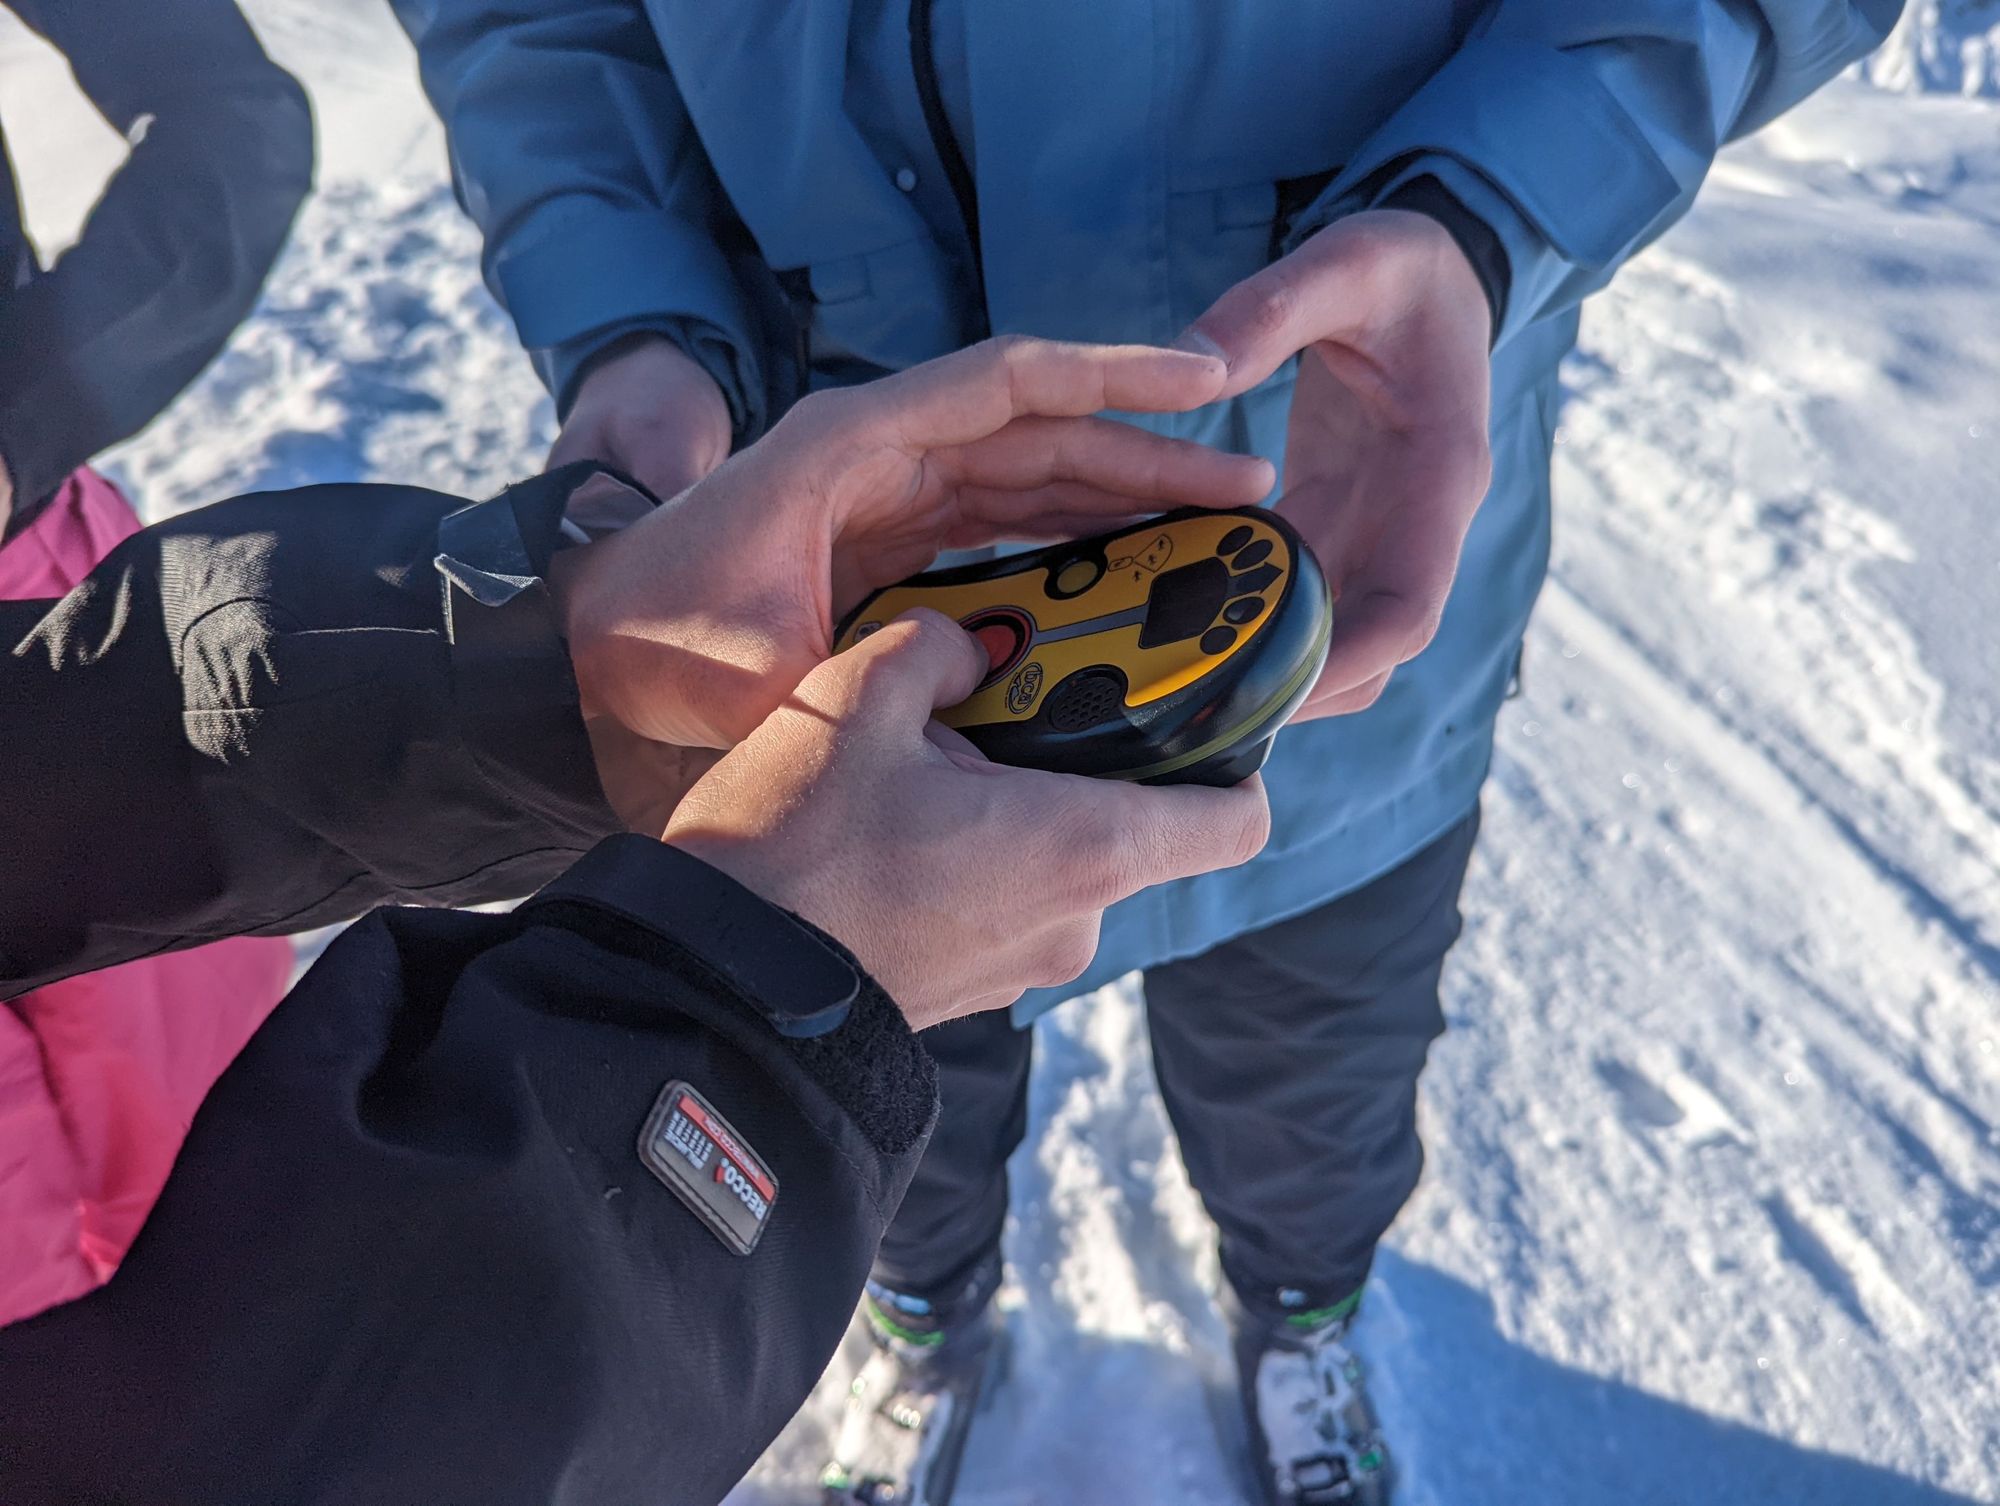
[(1580, 132), (573, 152), (411, 1252), (173, 256), (275, 712)]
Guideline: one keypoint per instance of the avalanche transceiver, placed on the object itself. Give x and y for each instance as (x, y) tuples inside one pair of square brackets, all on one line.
[(1168, 652)]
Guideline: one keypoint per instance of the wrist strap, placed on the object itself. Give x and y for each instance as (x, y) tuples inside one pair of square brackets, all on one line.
[(800, 980)]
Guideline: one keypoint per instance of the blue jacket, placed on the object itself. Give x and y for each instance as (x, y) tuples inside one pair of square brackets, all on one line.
[(790, 191)]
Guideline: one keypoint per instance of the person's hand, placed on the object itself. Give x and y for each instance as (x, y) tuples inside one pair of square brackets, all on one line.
[(958, 883), (6, 494), (691, 626), (1387, 457), (650, 411), (643, 781)]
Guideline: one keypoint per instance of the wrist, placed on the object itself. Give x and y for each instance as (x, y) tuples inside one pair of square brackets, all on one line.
[(793, 974), (1485, 254), (787, 879), (648, 370), (647, 901), (740, 857), (567, 591)]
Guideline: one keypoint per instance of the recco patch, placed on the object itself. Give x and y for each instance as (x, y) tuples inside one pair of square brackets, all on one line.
[(708, 1166)]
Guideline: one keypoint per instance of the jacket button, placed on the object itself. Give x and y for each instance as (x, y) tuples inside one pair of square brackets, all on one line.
[(906, 179)]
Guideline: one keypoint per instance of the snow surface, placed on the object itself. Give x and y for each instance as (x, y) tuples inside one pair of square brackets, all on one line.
[(1713, 1206), (1948, 45)]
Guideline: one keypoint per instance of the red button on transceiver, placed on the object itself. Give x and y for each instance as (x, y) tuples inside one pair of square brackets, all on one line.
[(999, 640), (1003, 633)]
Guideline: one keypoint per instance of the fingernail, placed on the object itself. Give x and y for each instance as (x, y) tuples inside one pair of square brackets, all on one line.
[(1195, 343)]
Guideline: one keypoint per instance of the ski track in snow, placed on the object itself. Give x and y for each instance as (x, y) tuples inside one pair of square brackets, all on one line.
[(1712, 1211)]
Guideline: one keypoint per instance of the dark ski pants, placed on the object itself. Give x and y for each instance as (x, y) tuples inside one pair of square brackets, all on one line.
[(1288, 1059)]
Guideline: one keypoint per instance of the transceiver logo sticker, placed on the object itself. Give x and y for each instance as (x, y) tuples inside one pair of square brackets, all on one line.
[(708, 1166)]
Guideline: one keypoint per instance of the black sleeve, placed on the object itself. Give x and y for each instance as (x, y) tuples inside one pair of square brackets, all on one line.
[(411, 1253), (1480, 243), (278, 711), (174, 254)]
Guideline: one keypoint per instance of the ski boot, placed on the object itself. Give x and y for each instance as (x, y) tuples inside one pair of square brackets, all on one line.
[(911, 1406), (1313, 1437)]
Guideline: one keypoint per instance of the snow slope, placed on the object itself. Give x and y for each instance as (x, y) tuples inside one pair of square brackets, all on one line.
[(1942, 45), (1713, 1207)]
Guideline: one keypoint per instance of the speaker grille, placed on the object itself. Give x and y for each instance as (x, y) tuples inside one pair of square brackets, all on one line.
[(1086, 699)]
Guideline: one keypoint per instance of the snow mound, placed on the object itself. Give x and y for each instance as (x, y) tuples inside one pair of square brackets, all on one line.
[(1941, 47)]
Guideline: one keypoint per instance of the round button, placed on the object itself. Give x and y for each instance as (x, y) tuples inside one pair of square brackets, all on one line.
[(906, 179), (1217, 640), (1077, 577), (1003, 632), (1256, 554), (1233, 540), (999, 640), (1242, 609)]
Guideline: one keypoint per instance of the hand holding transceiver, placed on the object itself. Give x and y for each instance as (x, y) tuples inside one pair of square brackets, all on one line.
[(957, 882), (1386, 453), (694, 624), (709, 624)]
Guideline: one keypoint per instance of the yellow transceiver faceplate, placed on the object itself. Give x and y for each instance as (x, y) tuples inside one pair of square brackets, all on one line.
[(1170, 651)]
